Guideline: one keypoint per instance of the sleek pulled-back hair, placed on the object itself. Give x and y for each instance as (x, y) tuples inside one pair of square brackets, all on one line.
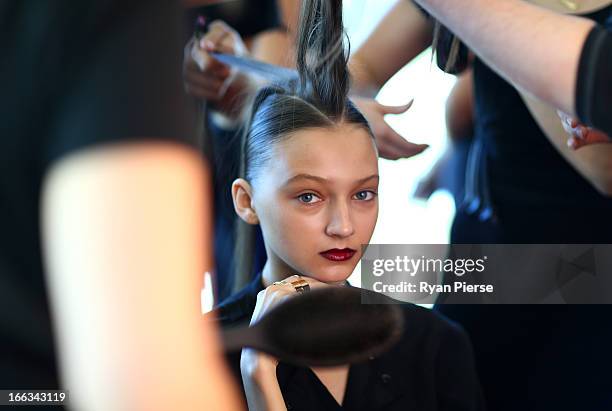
[(318, 99)]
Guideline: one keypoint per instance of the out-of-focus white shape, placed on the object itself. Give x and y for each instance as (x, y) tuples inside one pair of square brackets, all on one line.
[(207, 296), (403, 219), (361, 16)]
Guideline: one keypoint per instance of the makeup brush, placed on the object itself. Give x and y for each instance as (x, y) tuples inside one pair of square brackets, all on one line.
[(324, 327)]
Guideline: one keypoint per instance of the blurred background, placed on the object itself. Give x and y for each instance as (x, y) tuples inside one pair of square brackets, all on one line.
[(404, 219)]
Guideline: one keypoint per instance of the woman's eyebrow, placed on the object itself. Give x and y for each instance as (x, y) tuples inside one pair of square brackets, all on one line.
[(305, 177), (324, 180), (372, 177)]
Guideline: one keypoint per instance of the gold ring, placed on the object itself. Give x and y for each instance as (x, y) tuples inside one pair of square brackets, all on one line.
[(300, 285)]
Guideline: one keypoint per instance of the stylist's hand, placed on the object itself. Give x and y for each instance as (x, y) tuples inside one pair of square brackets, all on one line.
[(581, 135), (390, 144), (206, 77)]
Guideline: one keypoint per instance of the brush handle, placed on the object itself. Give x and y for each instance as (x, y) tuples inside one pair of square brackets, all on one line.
[(236, 338)]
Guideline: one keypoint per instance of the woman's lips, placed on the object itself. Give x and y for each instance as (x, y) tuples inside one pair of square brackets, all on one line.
[(336, 254)]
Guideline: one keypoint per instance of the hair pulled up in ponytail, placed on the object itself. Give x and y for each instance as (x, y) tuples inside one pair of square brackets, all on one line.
[(319, 99), (321, 57)]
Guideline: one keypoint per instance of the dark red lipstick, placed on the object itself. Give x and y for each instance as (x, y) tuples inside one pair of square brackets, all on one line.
[(336, 254)]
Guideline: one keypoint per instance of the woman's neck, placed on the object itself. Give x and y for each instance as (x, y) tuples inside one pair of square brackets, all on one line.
[(271, 273)]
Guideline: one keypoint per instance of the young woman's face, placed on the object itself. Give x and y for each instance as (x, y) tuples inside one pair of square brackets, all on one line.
[(317, 201)]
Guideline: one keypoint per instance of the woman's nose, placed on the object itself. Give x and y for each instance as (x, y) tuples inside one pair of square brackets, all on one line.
[(340, 224)]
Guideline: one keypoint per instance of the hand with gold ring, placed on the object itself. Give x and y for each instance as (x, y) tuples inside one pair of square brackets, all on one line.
[(279, 291), (259, 369), (251, 361), (300, 285)]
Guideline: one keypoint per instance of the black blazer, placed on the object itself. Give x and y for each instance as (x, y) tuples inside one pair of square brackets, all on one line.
[(430, 369)]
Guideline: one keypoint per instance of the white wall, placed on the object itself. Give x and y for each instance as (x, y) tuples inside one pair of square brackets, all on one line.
[(403, 219)]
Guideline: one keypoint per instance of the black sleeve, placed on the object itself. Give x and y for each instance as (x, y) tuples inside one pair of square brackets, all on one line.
[(119, 77), (594, 84), (457, 384)]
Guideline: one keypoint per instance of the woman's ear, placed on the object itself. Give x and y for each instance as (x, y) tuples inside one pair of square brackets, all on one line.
[(242, 195)]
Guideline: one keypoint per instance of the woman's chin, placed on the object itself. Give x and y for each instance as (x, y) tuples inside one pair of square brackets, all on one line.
[(332, 274)]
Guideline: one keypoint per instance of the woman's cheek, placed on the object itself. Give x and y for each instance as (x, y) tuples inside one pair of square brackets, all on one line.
[(299, 229), (300, 235), (366, 222)]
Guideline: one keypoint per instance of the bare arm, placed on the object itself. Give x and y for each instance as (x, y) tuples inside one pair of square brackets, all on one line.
[(277, 46), (400, 36), (593, 162), (544, 41), (460, 108), (126, 241), (261, 387), (522, 42)]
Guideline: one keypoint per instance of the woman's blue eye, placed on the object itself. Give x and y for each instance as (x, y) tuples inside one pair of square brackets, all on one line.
[(308, 198), (365, 195)]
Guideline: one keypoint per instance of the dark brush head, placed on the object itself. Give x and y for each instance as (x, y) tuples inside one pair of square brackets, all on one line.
[(332, 326)]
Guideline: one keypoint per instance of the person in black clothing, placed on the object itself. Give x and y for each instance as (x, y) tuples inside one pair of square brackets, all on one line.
[(577, 49), (534, 190), (530, 178), (95, 140), (594, 83), (430, 368), (309, 178)]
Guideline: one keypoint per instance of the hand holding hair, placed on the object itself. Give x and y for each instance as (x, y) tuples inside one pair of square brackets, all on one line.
[(209, 79)]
